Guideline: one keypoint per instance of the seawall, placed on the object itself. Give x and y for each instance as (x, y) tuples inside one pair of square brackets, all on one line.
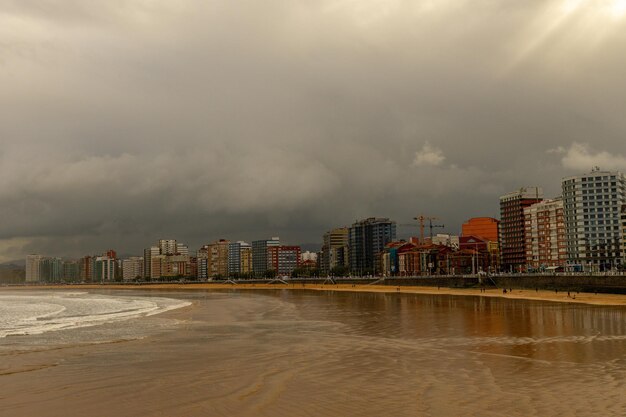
[(608, 284)]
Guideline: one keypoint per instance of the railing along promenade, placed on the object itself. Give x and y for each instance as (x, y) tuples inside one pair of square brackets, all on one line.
[(601, 282)]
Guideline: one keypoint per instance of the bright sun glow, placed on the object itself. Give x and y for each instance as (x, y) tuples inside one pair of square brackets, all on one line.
[(592, 21), (618, 8), (570, 6)]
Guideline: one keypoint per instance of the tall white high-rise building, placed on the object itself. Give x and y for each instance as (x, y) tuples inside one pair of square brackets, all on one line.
[(594, 228)]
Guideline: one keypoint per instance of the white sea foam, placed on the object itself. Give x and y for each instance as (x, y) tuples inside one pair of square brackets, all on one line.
[(36, 313)]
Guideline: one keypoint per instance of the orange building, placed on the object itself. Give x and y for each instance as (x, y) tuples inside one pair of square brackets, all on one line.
[(484, 227), (487, 229)]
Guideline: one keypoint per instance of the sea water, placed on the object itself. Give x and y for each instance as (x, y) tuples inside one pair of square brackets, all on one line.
[(309, 353), (35, 313)]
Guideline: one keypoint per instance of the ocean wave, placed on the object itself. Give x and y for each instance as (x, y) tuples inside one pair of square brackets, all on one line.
[(40, 313)]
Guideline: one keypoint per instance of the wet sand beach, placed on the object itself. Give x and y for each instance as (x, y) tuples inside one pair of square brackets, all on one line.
[(522, 294), (278, 352)]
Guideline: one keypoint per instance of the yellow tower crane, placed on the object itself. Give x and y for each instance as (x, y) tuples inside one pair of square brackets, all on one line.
[(421, 219)]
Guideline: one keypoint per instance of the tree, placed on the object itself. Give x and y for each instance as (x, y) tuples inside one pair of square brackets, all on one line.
[(340, 271)]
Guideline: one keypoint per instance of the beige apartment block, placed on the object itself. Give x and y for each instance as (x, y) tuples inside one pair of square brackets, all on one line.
[(217, 259), (246, 259), (545, 234)]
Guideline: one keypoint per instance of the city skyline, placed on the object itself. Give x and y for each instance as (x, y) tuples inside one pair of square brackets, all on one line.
[(123, 122), (581, 230), (412, 230), (407, 231), (533, 195)]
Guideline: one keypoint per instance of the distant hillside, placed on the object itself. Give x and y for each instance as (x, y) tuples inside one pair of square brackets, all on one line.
[(311, 247), (11, 274), (19, 263)]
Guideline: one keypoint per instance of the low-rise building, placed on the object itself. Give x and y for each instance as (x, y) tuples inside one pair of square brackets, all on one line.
[(475, 255), (445, 239)]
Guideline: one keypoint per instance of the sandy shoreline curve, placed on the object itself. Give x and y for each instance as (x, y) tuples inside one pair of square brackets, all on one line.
[(518, 294)]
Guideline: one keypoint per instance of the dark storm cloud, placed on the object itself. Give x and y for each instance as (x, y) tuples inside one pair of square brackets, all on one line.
[(125, 121)]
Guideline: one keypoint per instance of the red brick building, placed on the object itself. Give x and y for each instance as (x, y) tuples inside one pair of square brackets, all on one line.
[(512, 230), (283, 259)]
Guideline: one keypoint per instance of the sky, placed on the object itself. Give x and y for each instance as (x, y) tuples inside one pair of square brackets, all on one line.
[(126, 121)]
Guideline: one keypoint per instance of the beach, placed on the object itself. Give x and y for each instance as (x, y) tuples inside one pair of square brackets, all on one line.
[(276, 351), (521, 294)]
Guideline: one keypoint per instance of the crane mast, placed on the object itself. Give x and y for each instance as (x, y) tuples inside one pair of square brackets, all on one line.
[(421, 219)]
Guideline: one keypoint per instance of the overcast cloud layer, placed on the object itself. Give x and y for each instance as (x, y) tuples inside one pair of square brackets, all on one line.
[(125, 121)]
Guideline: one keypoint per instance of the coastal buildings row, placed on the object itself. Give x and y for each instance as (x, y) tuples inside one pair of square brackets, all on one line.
[(413, 258), (105, 267), (169, 259), (583, 229)]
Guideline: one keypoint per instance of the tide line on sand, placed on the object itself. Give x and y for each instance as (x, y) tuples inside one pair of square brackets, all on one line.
[(522, 294)]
